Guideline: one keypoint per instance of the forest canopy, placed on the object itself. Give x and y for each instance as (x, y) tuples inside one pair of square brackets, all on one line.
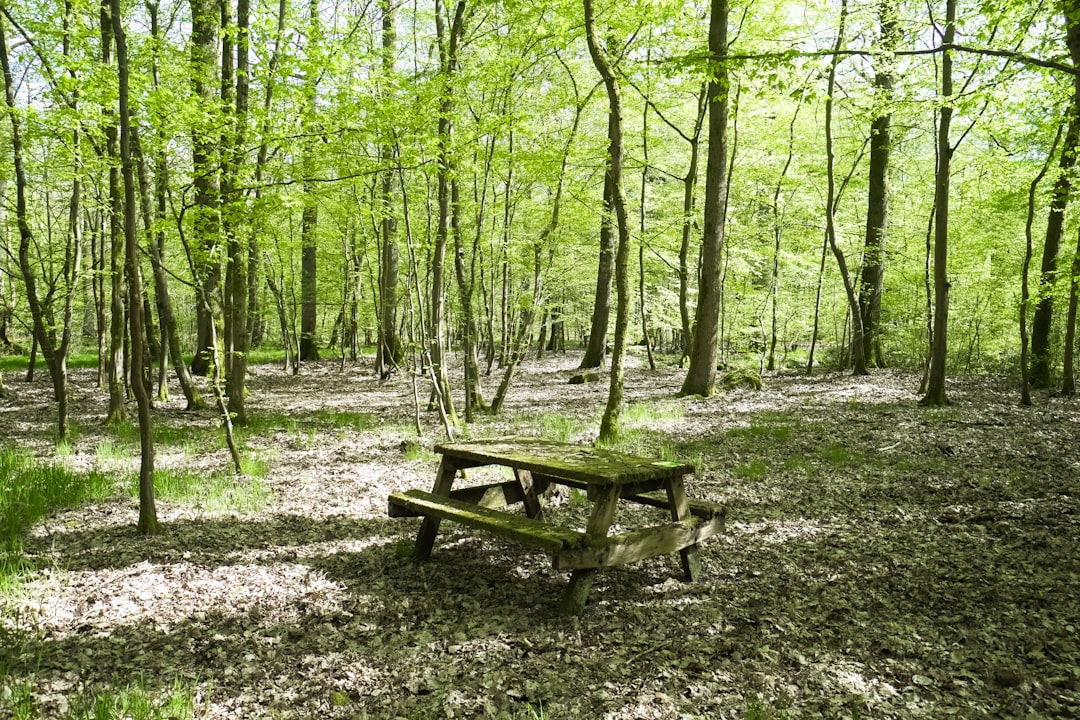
[(887, 179)]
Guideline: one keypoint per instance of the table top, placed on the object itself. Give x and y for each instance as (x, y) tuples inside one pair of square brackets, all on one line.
[(565, 460)]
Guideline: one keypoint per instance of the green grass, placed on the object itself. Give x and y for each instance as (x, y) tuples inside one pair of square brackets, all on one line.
[(132, 702), (839, 456), (30, 489), (753, 470), (215, 492), (417, 451), (645, 414), (346, 419)]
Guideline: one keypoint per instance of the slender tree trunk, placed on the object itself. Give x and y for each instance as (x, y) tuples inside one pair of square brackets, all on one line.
[(309, 223), (1072, 22), (597, 347), (701, 375), (689, 195), (778, 234), (609, 424), (877, 212), (1025, 293), (236, 277), (148, 522), (857, 355), (205, 148), (391, 352), (114, 364), (448, 56), (935, 387), (641, 243)]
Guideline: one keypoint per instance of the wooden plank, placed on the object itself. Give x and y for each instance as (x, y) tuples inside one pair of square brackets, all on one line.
[(638, 545), (689, 556), (565, 460), (493, 495), (528, 494), (429, 528), (704, 509), (581, 580), (518, 528)]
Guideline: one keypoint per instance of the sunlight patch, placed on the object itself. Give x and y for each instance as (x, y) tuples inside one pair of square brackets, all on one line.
[(166, 594), (773, 532)]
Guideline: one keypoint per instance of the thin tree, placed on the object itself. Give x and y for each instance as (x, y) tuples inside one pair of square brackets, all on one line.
[(935, 387), (310, 218), (877, 211), (205, 148), (148, 522), (1041, 323), (701, 375), (1025, 291), (448, 58), (857, 347), (609, 424)]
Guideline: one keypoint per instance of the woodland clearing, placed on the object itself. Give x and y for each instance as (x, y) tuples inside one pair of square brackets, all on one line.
[(881, 559)]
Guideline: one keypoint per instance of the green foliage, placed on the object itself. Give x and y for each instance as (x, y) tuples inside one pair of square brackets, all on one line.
[(417, 451), (213, 492), (741, 379), (753, 470), (133, 702), (30, 489)]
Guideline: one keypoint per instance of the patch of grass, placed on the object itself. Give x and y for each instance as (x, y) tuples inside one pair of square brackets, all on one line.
[(644, 414), (133, 702), (753, 470), (796, 463), (347, 419), (417, 451), (30, 489), (215, 492), (556, 426), (20, 363), (838, 456), (266, 423)]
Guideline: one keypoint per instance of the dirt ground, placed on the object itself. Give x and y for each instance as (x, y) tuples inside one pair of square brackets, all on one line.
[(881, 560)]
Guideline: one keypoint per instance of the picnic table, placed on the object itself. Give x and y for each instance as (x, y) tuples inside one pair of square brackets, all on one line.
[(604, 475)]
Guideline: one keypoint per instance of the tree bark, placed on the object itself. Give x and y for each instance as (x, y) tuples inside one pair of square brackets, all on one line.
[(448, 54), (857, 355), (1042, 322), (391, 352), (597, 346), (935, 386), (609, 424), (206, 222), (114, 364), (148, 522), (309, 350), (701, 375), (877, 211)]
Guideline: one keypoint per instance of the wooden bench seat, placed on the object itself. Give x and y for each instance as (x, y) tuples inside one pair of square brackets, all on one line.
[(550, 538)]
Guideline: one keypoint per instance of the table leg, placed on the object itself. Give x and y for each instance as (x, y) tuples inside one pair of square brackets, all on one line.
[(529, 497), (429, 528), (689, 557), (577, 592)]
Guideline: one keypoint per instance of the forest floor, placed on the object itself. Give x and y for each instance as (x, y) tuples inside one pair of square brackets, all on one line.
[(881, 560)]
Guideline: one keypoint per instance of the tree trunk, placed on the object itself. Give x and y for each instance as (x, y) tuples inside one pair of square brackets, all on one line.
[(448, 54), (114, 364), (778, 234), (391, 352), (877, 211), (309, 350), (1072, 23), (701, 375), (1025, 293), (609, 424), (148, 523), (597, 347), (857, 355), (206, 222), (935, 386)]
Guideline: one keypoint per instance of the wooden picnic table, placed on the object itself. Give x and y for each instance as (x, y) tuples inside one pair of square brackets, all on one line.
[(606, 476)]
